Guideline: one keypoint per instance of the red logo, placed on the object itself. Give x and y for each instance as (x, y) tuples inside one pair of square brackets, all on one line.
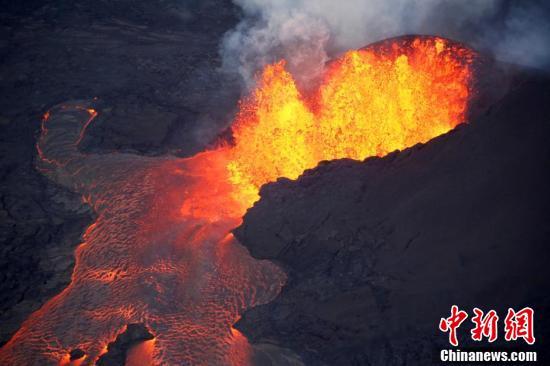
[(516, 325)]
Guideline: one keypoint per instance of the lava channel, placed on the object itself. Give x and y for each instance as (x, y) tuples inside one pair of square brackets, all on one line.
[(161, 250)]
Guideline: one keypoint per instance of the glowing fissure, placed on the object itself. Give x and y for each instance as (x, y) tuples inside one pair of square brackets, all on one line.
[(371, 102), (161, 252)]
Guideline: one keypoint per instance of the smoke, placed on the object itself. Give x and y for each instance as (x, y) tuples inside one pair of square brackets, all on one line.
[(308, 32)]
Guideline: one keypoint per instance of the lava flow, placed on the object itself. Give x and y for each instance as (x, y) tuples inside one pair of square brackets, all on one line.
[(160, 251)]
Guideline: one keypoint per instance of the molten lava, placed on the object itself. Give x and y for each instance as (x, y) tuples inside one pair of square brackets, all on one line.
[(160, 251), (372, 101)]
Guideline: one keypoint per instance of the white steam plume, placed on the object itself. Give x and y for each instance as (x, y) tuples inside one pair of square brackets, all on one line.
[(308, 32)]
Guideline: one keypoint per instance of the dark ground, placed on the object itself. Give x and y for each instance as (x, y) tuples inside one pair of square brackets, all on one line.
[(153, 66), (378, 251)]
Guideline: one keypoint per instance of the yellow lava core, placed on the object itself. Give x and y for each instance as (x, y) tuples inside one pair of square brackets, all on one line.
[(371, 102)]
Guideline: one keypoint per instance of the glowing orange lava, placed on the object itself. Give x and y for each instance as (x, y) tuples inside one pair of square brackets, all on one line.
[(161, 250), (372, 101)]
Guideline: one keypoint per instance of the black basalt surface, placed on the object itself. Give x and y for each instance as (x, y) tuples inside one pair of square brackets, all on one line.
[(40, 225), (118, 350), (378, 251)]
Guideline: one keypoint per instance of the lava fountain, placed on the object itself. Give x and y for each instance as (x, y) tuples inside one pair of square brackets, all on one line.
[(388, 96), (161, 251)]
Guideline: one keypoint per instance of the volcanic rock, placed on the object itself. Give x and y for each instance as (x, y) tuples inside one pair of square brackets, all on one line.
[(378, 251), (40, 225), (76, 354), (155, 64), (117, 350)]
